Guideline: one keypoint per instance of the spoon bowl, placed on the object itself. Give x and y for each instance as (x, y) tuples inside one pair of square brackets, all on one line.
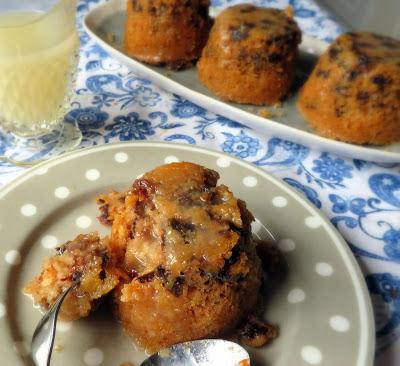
[(206, 352)]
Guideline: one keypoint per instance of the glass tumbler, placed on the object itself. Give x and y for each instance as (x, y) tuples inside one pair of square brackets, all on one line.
[(38, 63)]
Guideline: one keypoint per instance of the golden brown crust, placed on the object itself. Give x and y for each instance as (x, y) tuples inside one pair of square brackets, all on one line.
[(206, 306), (171, 32), (180, 259), (250, 55), (186, 243), (353, 93), (168, 207)]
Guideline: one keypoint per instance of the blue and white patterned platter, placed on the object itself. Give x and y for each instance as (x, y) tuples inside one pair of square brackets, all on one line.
[(105, 24)]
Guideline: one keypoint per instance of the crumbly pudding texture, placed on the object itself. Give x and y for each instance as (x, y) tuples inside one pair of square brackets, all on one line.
[(181, 262), (86, 258)]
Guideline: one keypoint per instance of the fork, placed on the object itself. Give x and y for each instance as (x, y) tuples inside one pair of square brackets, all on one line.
[(43, 337)]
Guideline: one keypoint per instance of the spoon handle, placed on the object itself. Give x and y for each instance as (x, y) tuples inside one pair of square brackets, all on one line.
[(43, 337)]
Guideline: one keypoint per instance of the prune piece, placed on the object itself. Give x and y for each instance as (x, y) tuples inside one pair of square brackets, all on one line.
[(381, 81), (177, 287), (148, 277), (257, 333), (362, 96)]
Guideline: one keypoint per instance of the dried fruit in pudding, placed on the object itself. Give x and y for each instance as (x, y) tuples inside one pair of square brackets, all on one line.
[(257, 333), (85, 258), (186, 242), (171, 32), (250, 55), (353, 93), (180, 259)]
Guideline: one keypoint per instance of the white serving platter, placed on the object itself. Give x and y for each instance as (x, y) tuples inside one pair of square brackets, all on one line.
[(108, 19)]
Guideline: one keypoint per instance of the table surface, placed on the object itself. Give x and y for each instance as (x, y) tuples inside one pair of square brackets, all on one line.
[(361, 198)]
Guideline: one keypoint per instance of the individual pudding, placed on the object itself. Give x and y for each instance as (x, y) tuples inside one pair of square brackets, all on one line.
[(250, 55), (353, 93), (186, 243), (171, 32)]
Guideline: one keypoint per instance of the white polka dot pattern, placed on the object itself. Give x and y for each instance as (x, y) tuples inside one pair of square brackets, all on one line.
[(92, 174), (121, 157), (49, 241), (61, 192), (313, 222), (324, 269), (223, 162), (13, 257), (250, 181), (93, 357), (286, 245), (171, 159), (311, 355), (279, 201), (28, 210), (83, 222), (339, 323), (296, 295)]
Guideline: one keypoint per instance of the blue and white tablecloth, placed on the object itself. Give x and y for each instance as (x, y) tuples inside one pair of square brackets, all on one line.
[(361, 198)]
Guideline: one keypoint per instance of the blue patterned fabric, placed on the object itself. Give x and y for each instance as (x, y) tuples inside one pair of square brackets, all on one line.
[(362, 199)]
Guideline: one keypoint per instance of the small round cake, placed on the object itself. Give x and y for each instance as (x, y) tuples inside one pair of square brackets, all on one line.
[(171, 32), (250, 55), (353, 93), (186, 243)]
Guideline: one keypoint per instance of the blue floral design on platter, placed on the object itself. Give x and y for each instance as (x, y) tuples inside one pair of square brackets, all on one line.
[(129, 127), (240, 145)]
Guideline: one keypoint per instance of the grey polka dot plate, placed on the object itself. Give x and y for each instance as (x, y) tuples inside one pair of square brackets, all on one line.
[(322, 306)]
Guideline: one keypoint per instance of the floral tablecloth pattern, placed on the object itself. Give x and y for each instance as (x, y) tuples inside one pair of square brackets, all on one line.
[(361, 198)]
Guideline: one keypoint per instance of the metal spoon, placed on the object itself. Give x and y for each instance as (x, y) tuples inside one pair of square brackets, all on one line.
[(43, 337), (206, 352)]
